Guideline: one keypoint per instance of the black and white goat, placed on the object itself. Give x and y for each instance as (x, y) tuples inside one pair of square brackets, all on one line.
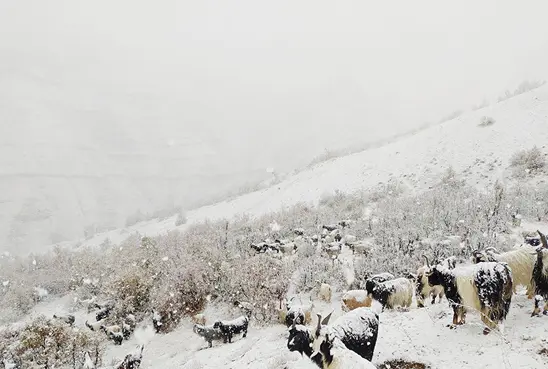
[(298, 311), (333, 354), (391, 293), (540, 276), (104, 311), (230, 328), (68, 319), (521, 262), (423, 289), (357, 330), (486, 287), (208, 333)]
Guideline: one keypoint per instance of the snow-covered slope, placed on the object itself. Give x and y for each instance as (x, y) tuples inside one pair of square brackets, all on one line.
[(481, 153)]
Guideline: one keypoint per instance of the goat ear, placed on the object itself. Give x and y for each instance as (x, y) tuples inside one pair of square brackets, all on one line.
[(318, 327), (325, 321)]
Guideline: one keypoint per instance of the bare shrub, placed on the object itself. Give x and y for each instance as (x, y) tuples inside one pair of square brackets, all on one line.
[(524, 86), (317, 268), (403, 364), (181, 219), (530, 161), (50, 343)]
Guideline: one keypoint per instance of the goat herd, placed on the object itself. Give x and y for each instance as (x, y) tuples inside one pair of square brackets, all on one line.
[(486, 285)]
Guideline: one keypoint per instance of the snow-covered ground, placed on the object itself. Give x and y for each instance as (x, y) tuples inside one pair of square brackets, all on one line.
[(482, 154), (419, 335)]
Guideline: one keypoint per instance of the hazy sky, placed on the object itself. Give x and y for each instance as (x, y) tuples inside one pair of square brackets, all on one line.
[(237, 69)]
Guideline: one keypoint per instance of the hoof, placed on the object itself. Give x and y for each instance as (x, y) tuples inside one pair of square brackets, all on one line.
[(486, 331)]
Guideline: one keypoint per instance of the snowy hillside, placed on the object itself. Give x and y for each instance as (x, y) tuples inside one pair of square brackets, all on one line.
[(211, 266), (482, 154)]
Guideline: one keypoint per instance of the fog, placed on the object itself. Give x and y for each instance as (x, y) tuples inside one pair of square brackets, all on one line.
[(109, 107)]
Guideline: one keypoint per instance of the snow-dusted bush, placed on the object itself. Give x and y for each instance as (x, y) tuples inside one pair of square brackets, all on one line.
[(529, 161), (313, 269), (180, 294), (486, 121), (48, 343), (523, 87)]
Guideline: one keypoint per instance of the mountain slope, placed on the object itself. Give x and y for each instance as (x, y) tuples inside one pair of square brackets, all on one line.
[(481, 154)]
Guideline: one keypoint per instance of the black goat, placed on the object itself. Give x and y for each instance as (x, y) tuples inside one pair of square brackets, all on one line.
[(209, 333), (540, 275), (232, 327), (69, 319)]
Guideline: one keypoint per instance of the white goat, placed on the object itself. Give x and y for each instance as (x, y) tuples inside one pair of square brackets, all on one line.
[(325, 292), (521, 262)]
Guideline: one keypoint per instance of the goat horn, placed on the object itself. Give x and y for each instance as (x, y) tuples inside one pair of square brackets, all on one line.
[(543, 239), (427, 262), (491, 248)]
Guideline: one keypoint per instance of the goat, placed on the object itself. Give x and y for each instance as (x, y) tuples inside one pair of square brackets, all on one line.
[(157, 321), (540, 275), (521, 262), (333, 250), (199, 319), (423, 289), (486, 287), (329, 227), (298, 231), (132, 361), (354, 299), (346, 223), (298, 312), (325, 292), (209, 333), (232, 327), (68, 319), (114, 333), (94, 326), (127, 330), (104, 312), (245, 307), (369, 284), (349, 240), (392, 293), (333, 354), (358, 330)]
